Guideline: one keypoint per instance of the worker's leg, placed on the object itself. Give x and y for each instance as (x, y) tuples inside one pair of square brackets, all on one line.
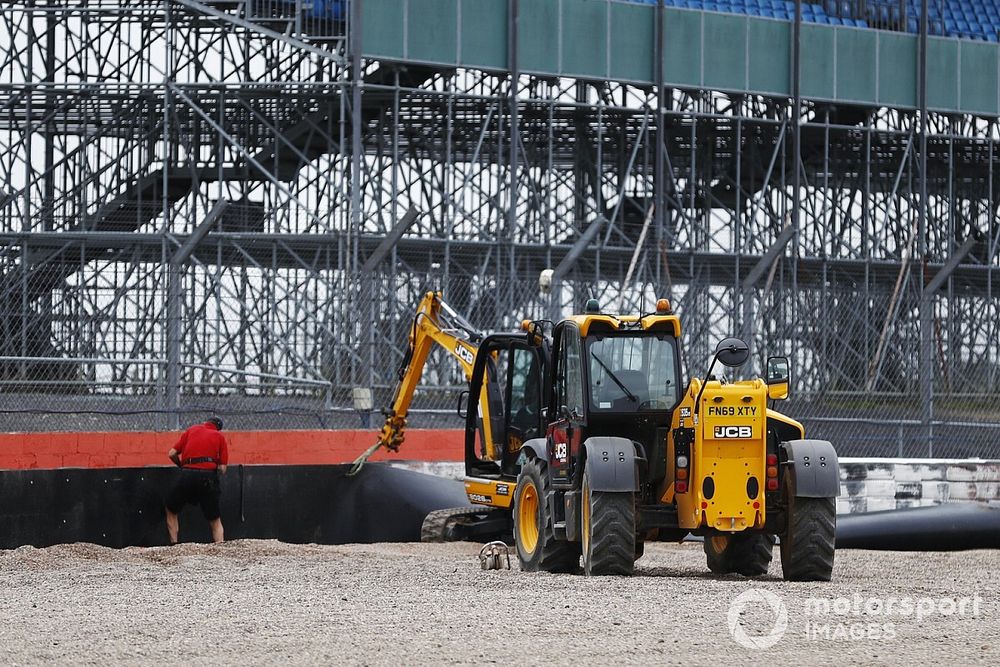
[(172, 526), (217, 533)]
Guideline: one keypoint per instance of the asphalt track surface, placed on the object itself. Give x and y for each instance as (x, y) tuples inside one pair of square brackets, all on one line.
[(264, 602)]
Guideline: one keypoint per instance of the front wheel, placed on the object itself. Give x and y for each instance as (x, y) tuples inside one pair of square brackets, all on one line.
[(537, 546), (607, 527), (807, 547), (747, 553)]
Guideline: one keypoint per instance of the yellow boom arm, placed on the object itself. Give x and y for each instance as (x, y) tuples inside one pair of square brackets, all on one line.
[(434, 323)]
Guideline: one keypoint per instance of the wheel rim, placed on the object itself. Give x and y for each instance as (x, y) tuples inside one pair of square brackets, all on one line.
[(527, 518), (585, 517), (719, 542)]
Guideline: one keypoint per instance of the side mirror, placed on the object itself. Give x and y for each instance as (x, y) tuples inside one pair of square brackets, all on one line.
[(777, 378), (463, 404), (732, 352)]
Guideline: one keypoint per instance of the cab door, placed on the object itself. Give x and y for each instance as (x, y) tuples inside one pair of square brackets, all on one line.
[(507, 375), (567, 414)]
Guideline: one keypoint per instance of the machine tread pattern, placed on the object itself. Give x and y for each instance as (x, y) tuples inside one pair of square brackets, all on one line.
[(436, 524), (753, 554), (748, 554), (718, 561), (807, 549), (612, 544)]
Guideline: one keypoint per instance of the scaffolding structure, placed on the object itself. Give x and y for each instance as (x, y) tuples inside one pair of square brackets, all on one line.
[(225, 206)]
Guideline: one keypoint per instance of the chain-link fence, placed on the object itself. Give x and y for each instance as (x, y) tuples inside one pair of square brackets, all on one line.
[(248, 231), (285, 348)]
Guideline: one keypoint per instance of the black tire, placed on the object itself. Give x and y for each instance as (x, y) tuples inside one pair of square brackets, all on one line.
[(437, 524), (807, 547), (747, 553), (537, 546), (607, 526)]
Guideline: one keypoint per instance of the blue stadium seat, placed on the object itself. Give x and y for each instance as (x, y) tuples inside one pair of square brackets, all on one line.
[(968, 19)]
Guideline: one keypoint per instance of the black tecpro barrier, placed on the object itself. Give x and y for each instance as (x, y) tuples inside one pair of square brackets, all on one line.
[(942, 528), (124, 506)]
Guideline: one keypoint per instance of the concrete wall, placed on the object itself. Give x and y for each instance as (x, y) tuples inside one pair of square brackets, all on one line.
[(870, 485)]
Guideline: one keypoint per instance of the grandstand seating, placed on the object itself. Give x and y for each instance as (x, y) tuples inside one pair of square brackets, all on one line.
[(775, 9), (969, 19)]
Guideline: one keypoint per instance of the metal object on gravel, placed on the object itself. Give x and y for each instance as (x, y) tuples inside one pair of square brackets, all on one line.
[(495, 556)]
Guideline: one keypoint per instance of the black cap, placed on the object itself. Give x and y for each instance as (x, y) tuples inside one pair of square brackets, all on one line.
[(216, 421)]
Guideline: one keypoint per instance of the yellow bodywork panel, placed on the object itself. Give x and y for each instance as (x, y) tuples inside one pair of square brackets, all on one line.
[(489, 492), (728, 457), (585, 322), (777, 392)]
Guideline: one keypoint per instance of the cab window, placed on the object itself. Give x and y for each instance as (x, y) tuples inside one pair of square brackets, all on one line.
[(524, 403), (574, 372), (569, 372), (629, 373)]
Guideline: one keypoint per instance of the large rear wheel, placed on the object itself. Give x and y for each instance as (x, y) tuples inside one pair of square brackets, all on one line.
[(747, 553), (537, 546), (607, 528), (807, 547)]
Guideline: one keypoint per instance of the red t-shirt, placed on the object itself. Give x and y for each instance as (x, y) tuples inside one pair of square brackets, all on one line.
[(203, 440)]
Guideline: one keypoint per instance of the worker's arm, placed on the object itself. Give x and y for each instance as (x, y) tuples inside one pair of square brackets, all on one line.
[(175, 452), (223, 456)]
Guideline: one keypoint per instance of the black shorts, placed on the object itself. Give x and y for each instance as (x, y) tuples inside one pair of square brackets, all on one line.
[(196, 487)]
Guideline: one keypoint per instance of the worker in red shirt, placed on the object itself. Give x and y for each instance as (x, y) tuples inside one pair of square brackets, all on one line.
[(202, 454)]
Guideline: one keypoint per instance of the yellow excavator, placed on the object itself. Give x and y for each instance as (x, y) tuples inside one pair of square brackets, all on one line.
[(435, 323), (492, 451)]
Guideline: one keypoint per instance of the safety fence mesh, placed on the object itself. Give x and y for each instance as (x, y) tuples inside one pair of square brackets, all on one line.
[(285, 348)]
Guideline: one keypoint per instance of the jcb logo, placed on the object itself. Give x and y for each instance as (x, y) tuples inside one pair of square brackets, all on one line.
[(733, 432), (464, 354)]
